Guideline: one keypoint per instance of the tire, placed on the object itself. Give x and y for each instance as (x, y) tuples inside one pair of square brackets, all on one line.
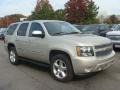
[(3, 38), (61, 68), (13, 57)]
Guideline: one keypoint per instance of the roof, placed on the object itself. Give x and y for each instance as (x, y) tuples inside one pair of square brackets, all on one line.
[(39, 21), (47, 21)]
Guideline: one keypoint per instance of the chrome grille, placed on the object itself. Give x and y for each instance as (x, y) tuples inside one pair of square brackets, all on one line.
[(103, 50), (114, 37), (104, 53), (103, 46)]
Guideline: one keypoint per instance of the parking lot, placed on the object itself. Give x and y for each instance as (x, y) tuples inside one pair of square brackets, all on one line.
[(31, 77)]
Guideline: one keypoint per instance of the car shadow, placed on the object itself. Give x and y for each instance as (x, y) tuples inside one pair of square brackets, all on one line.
[(45, 68), (85, 76), (117, 50), (40, 67)]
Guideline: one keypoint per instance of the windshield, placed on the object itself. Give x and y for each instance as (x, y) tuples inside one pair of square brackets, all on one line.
[(90, 29), (2, 30), (80, 27), (114, 26), (105, 27), (60, 28), (117, 28)]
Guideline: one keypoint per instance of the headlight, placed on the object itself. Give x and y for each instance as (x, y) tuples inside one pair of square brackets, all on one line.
[(85, 51), (107, 36)]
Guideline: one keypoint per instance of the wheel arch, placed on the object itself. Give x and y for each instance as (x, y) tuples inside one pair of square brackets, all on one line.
[(10, 45), (55, 52)]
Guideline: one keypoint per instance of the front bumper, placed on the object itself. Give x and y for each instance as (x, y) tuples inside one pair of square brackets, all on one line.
[(1, 37), (84, 65), (116, 43)]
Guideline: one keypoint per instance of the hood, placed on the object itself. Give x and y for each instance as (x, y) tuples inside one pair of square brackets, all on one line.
[(87, 39), (114, 33), (88, 32)]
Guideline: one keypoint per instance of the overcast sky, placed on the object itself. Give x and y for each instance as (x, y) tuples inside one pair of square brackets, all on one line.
[(25, 7)]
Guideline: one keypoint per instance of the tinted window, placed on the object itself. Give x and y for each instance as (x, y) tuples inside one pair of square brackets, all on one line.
[(34, 27), (22, 29), (117, 28), (114, 26), (80, 27), (11, 29), (90, 29), (104, 27)]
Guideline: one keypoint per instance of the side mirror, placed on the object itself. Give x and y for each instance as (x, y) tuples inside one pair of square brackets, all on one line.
[(101, 30), (37, 33)]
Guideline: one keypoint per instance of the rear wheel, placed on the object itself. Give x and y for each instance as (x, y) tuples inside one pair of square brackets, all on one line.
[(13, 57), (61, 68)]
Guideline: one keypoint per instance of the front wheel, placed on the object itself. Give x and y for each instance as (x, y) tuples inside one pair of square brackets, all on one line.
[(61, 68), (13, 57)]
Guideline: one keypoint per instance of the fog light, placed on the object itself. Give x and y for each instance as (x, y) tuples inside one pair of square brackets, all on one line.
[(88, 70)]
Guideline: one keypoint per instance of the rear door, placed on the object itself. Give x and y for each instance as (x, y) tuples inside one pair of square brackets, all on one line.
[(21, 39), (11, 30), (10, 33)]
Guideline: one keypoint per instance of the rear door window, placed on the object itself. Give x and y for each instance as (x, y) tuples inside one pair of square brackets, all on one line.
[(104, 27), (22, 29)]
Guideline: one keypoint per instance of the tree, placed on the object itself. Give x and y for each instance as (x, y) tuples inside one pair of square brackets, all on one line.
[(92, 12), (5, 21), (75, 10), (43, 10), (112, 20), (80, 11), (60, 14)]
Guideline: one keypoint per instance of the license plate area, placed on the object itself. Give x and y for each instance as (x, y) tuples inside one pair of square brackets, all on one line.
[(117, 46)]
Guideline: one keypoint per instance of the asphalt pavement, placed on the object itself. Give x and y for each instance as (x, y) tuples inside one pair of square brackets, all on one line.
[(28, 76)]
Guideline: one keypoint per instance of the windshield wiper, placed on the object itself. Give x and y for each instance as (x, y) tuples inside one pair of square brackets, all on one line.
[(59, 33), (74, 33), (63, 33)]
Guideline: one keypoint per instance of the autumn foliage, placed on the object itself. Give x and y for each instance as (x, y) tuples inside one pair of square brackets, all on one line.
[(75, 10), (113, 19), (40, 4), (80, 11), (43, 10), (7, 20)]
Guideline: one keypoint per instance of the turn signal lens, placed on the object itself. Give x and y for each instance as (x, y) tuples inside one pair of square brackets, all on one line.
[(78, 50)]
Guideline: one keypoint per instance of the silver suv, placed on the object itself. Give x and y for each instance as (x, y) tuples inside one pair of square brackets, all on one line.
[(115, 36), (59, 44)]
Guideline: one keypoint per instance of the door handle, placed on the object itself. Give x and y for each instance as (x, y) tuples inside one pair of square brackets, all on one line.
[(16, 40)]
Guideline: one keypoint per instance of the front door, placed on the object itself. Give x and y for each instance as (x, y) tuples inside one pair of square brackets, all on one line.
[(37, 46)]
